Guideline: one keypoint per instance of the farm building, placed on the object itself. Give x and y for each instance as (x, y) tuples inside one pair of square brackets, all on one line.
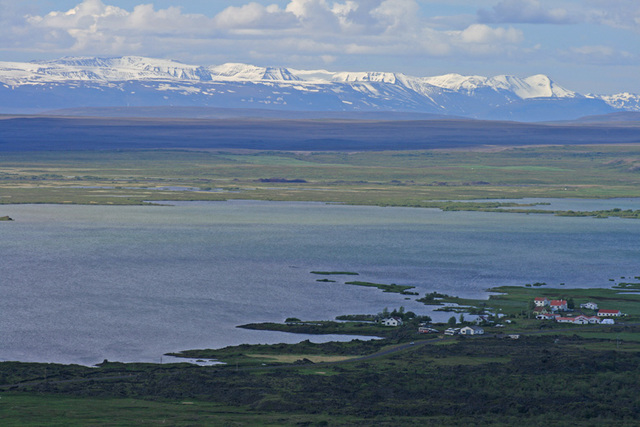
[(471, 330), (609, 313), (392, 321), (541, 301)]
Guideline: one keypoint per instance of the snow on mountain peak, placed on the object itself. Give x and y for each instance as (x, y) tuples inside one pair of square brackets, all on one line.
[(370, 77), (543, 86), (537, 86), (623, 101), (113, 69), (279, 74), (129, 68), (456, 82), (237, 71)]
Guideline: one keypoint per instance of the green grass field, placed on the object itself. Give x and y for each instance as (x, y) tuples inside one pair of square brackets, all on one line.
[(23, 410), (409, 178), (535, 380)]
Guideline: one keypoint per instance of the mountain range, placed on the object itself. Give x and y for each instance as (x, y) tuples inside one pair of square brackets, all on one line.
[(89, 82)]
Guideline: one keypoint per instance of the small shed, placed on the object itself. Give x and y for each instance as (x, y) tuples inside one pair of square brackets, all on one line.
[(609, 313)]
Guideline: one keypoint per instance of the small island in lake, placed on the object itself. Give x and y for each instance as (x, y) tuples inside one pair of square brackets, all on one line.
[(343, 273)]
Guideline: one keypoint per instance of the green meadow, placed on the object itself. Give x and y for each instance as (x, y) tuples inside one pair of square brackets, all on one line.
[(394, 178)]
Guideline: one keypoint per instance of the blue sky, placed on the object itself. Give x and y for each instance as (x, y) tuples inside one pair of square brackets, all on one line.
[(584, 45)]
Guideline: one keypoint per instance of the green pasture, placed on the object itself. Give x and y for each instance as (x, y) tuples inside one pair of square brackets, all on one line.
[(25, 410), (396, 178)]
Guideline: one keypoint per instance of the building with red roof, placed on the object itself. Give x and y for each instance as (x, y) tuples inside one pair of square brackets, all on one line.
[(558, 305)]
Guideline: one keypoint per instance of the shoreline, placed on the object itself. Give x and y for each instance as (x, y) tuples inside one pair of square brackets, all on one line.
[(510, 305)]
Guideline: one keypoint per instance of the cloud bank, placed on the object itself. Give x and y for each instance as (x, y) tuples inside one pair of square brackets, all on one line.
[(621, 14), (528, 12), (320, 28)]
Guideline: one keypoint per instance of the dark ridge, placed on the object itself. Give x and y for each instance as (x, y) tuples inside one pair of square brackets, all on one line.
[(31, 133), (238, 113)]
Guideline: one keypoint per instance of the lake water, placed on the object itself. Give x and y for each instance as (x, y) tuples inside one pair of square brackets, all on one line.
[(83, 283)]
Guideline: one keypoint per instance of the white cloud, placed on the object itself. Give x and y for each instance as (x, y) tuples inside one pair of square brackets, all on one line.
[(483, 34), (624, 14), (96, 17), (254, 16), (324, 29), (93, 27), (527, 11), (397, 15), (599, 54)]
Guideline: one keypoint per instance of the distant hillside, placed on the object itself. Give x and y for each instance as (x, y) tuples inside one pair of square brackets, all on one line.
[(91, 133), (236, 113), (618, 117)]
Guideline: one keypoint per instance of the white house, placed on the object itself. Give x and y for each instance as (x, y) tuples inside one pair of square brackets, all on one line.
[(585, 320), (609, 313), (607, 322), (471, 330), (546, 316), (392, 321), (541, 301), (578, 320), (589, 305), (482, 318), (593, 319)]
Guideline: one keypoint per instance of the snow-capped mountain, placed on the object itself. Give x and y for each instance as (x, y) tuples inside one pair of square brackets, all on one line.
[(138, 81), (623, 101), (538, 86)]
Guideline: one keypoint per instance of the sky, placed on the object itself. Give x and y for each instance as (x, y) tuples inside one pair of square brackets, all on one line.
[(590, 46)]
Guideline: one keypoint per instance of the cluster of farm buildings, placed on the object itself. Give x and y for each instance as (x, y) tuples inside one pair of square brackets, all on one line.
[(546, 309)]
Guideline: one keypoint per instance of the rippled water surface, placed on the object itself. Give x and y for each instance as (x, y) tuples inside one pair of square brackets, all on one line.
[(84, 283)]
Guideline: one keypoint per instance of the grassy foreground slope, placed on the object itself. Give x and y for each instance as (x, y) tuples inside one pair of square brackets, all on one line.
[(398, 178), (534, 380)]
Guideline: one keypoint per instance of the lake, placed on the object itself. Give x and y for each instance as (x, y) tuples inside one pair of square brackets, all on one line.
[(83, 283)]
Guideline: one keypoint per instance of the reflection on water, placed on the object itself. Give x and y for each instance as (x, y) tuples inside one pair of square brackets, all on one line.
[(85, 283)]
